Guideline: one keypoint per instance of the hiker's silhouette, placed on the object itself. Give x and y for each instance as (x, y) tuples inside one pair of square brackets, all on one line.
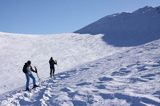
[(52, 68)]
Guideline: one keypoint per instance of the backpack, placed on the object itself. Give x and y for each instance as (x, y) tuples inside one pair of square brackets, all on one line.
[(25, 68)]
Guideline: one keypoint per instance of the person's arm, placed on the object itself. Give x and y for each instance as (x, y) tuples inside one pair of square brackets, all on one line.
[(55, 62), (33, 70)]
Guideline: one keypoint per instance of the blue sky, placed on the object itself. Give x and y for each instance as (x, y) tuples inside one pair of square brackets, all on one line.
[(60, 16)]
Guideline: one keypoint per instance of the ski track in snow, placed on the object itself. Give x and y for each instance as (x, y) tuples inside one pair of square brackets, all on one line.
[(130, 78)]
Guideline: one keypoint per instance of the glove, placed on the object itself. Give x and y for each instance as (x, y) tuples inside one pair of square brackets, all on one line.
[(35, 69)]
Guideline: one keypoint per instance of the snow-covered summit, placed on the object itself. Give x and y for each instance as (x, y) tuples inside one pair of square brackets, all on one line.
[(127, 29)]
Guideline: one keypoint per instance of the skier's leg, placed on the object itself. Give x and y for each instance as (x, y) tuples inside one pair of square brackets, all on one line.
[(27, 81), (51, 72), (34, 81)]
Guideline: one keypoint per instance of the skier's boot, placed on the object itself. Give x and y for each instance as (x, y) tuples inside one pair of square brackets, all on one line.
[(51, 75), (35, 86), (27, 89)]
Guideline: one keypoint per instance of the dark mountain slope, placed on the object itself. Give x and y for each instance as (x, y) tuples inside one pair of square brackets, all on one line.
[(127, 29)]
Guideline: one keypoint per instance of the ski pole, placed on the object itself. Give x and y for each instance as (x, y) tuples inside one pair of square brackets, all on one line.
[(37, 74)]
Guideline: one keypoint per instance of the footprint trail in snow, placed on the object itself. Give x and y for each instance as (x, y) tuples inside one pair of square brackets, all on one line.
[(123, 79)]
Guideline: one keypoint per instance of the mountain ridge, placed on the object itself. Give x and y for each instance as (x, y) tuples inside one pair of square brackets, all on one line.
[(127, 29)]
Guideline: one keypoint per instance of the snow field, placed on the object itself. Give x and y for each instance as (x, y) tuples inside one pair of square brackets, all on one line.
[(129, 78), (69, 50)]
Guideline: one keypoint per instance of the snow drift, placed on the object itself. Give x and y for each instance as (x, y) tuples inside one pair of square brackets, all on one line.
[(129, 78), (69, 50)]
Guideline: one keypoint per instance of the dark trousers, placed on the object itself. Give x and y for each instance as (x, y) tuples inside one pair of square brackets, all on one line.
[(52, 70)]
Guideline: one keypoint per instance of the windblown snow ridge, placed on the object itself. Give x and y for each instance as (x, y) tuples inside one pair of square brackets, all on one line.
[(68, 49), (122, 79)]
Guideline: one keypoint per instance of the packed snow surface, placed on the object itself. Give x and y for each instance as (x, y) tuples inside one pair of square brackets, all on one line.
[(69, 50), (130, 77)]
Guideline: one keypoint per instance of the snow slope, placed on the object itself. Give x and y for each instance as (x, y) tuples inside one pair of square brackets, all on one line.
[(69, 50), (127, 29), (128, 78)]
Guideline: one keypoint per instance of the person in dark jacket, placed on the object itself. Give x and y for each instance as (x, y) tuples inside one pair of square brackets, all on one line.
[(27, 69), (52, 68)]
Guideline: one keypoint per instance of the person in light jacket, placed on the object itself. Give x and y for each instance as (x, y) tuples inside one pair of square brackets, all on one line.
[(27, 69)]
